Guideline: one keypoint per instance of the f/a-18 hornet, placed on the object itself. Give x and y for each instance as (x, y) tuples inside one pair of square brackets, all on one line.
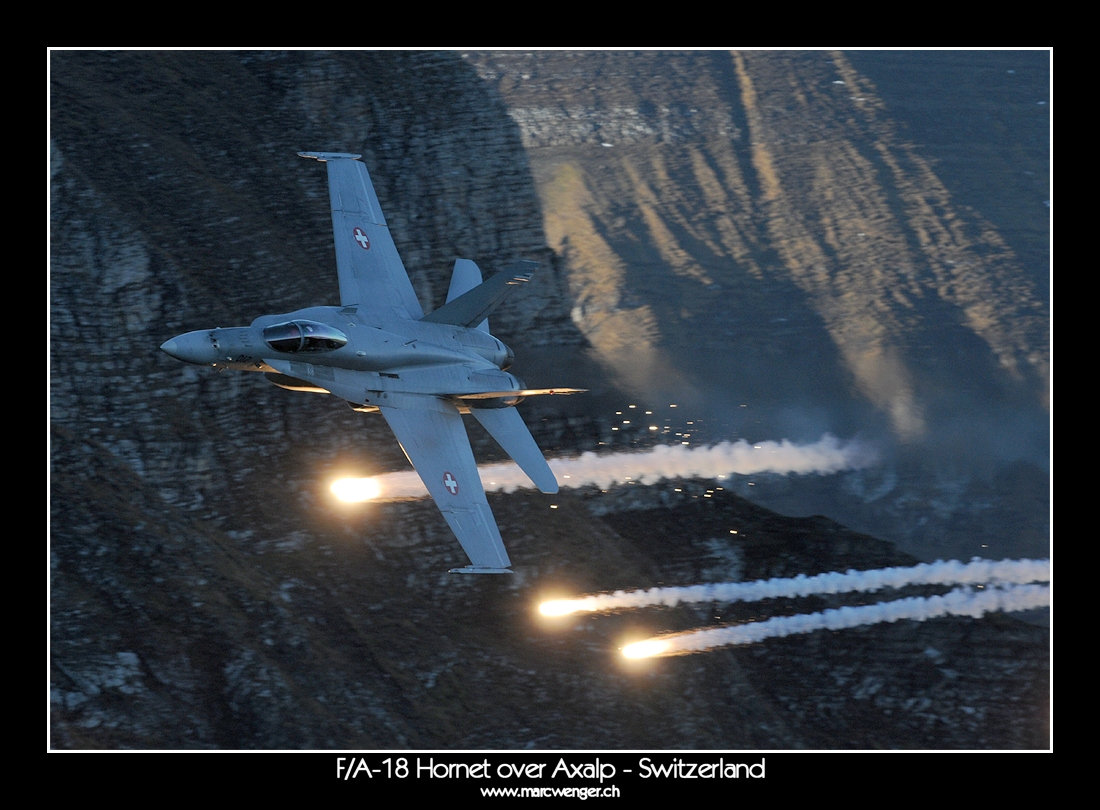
[(381, 353)]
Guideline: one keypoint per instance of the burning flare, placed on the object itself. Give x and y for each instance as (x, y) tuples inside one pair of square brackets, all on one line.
[(356, 490), (646, 649), (562, 607), (1009, 585)]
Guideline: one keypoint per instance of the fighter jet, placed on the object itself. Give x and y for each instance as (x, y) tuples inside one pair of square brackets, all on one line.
[(381, 353)]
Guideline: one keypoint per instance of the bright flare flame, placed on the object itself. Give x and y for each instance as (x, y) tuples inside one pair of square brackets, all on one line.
[(646, 649), (562, 607), (356, 490)]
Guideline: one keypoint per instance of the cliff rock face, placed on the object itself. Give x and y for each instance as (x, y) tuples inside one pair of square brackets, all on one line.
[(701, 199), (776, 242), (206, 591)]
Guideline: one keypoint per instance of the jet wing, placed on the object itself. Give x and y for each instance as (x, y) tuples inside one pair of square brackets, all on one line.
[(370, 270), (433, 437)]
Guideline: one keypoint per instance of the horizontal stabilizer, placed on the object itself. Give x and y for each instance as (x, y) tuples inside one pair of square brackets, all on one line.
[(507, 427), (471, 308), (469, 569), (526, 392), (323, 156)]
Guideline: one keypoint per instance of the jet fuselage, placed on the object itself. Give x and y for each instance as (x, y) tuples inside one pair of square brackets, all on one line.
[(356, 353)]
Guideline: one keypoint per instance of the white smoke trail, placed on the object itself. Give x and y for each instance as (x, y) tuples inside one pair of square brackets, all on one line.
[(959, 602), (952, 572), (827, 455)]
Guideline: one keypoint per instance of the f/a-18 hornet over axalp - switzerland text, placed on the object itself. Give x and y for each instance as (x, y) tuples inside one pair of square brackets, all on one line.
[(378, 351)]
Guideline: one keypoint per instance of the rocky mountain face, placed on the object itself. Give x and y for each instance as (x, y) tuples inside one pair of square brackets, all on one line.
[(760, 237), (207, 592)]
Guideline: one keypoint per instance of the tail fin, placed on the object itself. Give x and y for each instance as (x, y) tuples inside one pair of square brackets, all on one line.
[(464, 278), (473, 306)]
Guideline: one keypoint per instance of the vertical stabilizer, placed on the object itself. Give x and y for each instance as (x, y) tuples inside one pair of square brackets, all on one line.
[(465, 277)]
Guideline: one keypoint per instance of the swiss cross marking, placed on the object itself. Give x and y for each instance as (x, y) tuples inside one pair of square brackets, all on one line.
[(361, 237), (450, 483)]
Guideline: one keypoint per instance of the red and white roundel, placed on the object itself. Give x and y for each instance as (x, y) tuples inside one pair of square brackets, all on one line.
[(450, 482), (360, 236)]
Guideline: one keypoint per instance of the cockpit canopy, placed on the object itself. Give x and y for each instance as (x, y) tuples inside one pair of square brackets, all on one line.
[(304, 337)]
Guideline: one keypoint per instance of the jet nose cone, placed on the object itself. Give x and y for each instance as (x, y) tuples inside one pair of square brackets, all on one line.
[(192, 347)]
